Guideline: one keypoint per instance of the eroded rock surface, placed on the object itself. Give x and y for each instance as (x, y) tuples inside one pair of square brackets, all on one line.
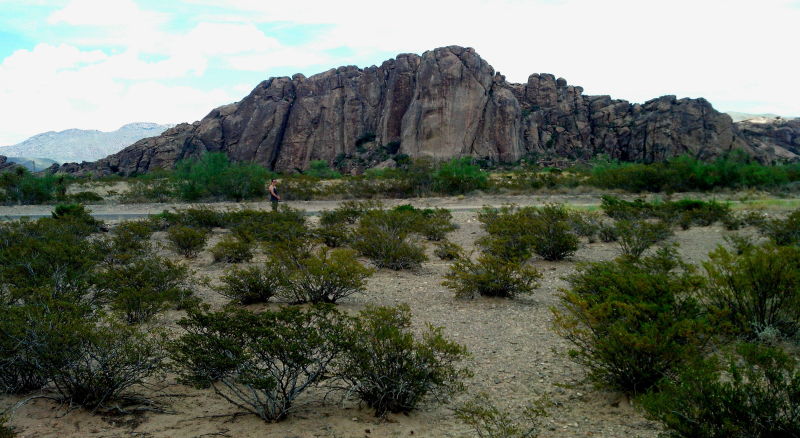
[(446, 103)]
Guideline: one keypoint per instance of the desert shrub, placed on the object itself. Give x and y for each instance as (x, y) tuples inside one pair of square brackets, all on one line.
[(286, 224), (34, 337), (106, 365), (754, 396), (157, 190), (782, 231), (348, 212), (126, 241), (141, 289), (436, 223), (194, 217), (254, 284), (757, 289), (259, 362), (78, 214), (187, 241), (83, 197), (334, 235), (391, 371), (509, 234), (323, 277), (637, 236), (489, 421), (688, 212), (214, 176), (491, 276), (458, 176), (299, 188), (632, 321), (52, 253), (553, 236), (20, 186), (447, 250), (733, 221), (6, 431), (607, 233), (621, 209), (232, 250), (320, 169), (388, 250), (586, 224)]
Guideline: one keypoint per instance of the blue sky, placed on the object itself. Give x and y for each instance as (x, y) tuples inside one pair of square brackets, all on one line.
[(98, 64)]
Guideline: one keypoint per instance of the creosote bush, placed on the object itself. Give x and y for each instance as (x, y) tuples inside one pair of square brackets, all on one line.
[(782, 231), (637, 236), (491, 276), (232, 250), (106, 364), (259, 362), (516, 233), (632, 321), (322, 277), (383, 237), (390, 370), (757, 288), (187, 241), (489, 421), (447, 250), (754, 396), (254, 284), (141, 289)]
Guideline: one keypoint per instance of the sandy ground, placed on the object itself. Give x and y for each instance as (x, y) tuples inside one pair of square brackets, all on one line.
[(516, 357)]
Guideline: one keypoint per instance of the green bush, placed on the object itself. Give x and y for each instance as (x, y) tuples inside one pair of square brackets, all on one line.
[(782, 231), (214, 176), (187, 241), (126, 241), (78, 214), (607, 233), (489, 421), (447, 250), (491, 276), (19, 186), (286, 224), (632, 321), (320, 169), (255, 284), (106, 366), (436, 223), (259, 362), (35, 334), (141, 289), (232, 250), (586, 224), (459, 176), (391, 371), (324, 277), (334, 235), (553, 236), (757, 289), (388, 250), (637, 236), (348, 212), (755, 396), (509, 232)]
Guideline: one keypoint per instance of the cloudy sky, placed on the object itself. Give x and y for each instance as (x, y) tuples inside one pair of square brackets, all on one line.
[(98, 64)]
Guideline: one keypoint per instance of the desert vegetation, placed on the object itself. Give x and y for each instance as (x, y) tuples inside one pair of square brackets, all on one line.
[(388, 308)]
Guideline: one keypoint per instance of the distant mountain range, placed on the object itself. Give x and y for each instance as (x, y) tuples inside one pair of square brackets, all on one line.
[(76, 145), (740, 117)]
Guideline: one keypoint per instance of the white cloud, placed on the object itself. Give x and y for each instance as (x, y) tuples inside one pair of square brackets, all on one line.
[(61, 87)]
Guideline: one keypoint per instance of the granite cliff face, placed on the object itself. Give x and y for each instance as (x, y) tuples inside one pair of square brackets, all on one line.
[(448, 102)]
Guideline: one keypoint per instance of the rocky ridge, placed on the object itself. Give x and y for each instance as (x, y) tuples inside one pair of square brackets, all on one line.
[(445, 103)]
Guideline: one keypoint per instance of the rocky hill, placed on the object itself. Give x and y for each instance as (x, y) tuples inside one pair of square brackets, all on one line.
[(81, 145), (448, 102)]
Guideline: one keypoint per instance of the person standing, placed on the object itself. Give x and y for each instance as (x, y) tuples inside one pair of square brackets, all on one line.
[(273, 194)]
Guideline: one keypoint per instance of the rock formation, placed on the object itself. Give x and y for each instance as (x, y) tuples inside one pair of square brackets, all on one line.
[(448, 102), (5, 164)]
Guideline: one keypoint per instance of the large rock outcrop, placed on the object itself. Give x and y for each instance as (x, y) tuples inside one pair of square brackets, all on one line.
[(448, 102)]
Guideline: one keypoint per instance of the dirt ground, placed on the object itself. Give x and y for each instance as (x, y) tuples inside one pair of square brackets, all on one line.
[(515, 355)]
